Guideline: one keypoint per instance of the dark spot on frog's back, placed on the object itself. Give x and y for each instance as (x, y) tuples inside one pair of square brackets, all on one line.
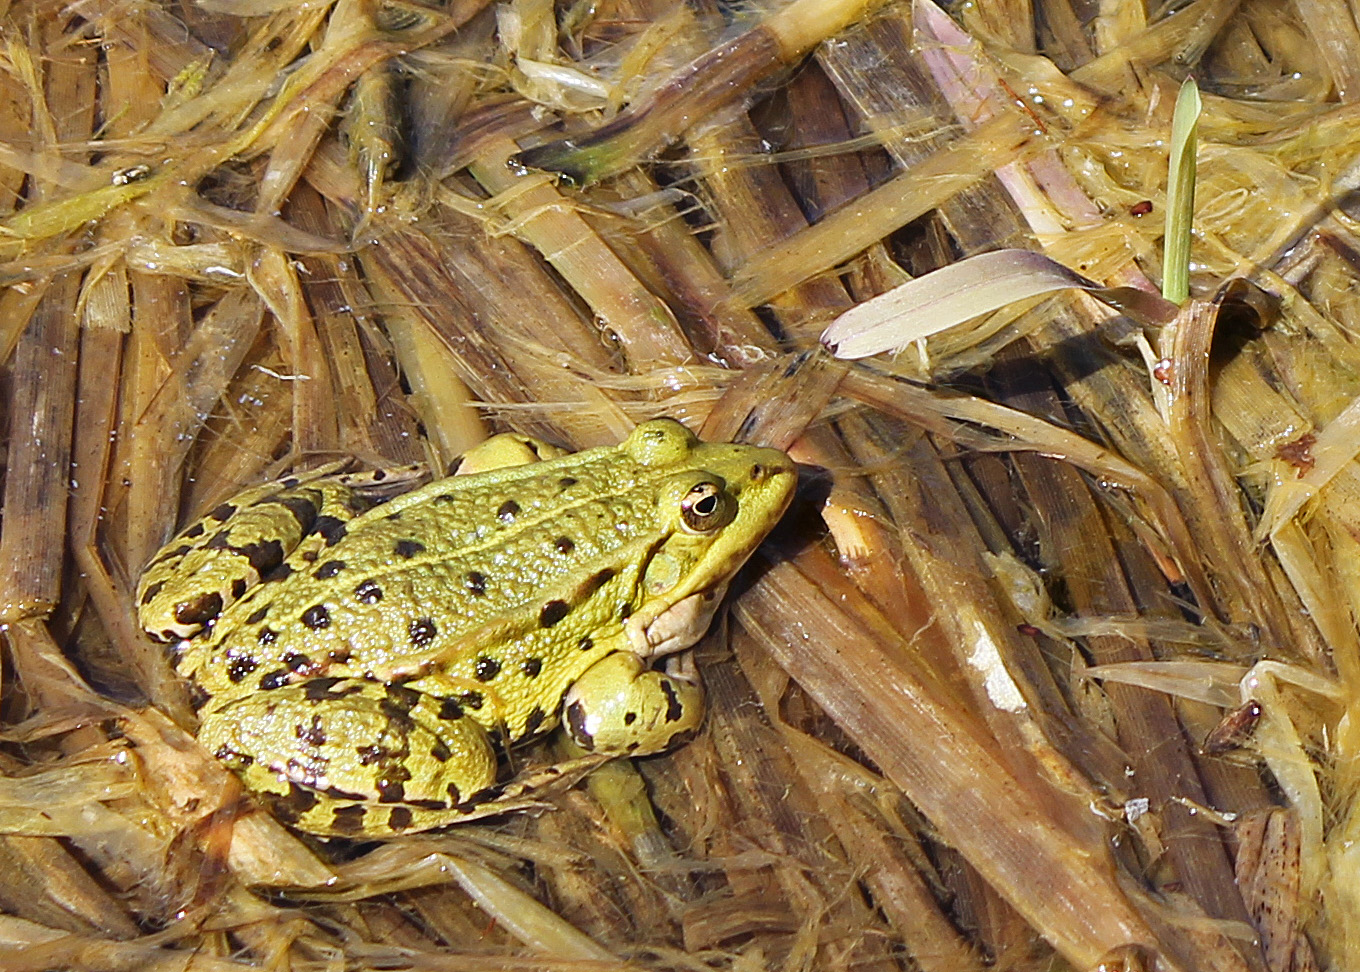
[(566, 482), (330, 527), (476, 583), (473, 700), (371, 755), (553, 612), (238, 587), (223, 512), (402, 698), (298, 662), (200, 610), (369, 592), (239, 666), (150, 593), (348, 820), (449, 710), (531, 667), (313, 735), (258, 615), (323, 689), (508, 511), (422, 631), (486, 669), (329, 569), (278, 678), (194, 531), (264, 555), (267, 636), (596, 581), (399, 819), (408, 548), (292, 806), (218, 541), (178, 552), (391, 790), (303, 509), (564, 545), (316, 617)]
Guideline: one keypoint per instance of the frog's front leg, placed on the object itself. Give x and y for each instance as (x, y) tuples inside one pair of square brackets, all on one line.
[(621, 706), (355, 757)]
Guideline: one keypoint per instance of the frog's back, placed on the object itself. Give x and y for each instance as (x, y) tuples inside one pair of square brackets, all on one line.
[(406, 589)]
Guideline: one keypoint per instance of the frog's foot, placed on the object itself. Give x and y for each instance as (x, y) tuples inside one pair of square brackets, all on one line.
[(503, 451), (621, 706), (354, 757), (213, 562)]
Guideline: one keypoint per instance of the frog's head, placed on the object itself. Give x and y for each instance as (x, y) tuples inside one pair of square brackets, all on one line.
[(714, 506)]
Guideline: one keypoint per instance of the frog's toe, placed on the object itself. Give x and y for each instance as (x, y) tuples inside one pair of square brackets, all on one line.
[(355, 757), (621, 706)]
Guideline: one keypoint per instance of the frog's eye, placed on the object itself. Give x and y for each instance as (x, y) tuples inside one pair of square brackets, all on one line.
[(706, 508)]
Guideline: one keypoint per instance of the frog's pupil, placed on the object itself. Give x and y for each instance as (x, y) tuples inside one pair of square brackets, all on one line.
[(707, 506)]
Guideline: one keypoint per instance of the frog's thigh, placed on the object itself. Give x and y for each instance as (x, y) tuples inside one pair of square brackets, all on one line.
[(503, 451), (212, 563), (621, 706), (354, 757)]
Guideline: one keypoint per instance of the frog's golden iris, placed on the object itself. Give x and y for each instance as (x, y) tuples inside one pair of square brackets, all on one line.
[(357, 664)]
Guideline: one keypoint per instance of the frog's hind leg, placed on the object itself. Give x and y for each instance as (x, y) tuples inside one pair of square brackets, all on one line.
[(503, 451), (354, 757), (620, 706), (214, 561)]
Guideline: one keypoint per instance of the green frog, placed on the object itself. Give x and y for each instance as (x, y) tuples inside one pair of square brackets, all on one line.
[(359, 665)]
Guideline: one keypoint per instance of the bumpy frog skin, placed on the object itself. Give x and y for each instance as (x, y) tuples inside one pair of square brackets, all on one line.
[(358, 665)]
